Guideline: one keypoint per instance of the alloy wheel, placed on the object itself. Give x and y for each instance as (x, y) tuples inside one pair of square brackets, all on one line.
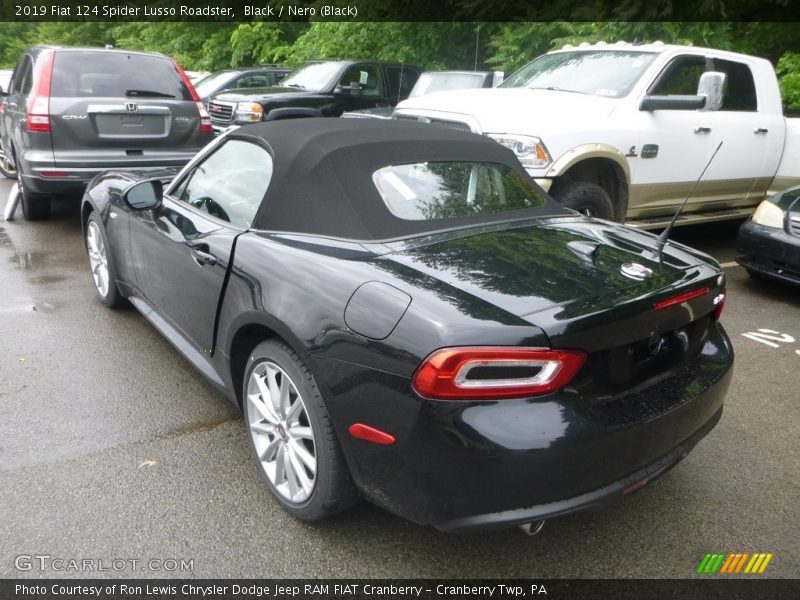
[(98, 258), (5, 165), (281, 432)]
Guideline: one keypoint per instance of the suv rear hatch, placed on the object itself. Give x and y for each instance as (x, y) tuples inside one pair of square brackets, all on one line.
[(111, 109)]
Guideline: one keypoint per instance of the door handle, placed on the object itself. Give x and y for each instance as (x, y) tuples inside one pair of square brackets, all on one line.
[(201, 255), (760, 130), (702, 129)]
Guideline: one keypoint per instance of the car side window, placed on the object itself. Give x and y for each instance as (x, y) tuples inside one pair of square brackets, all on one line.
[(681, 77), (367, 77), (739, 93), (252, 81), (23, 77), (230, 184), (400, 80)]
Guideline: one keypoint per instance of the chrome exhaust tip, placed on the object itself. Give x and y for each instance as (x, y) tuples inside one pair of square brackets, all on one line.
[(532, 528)]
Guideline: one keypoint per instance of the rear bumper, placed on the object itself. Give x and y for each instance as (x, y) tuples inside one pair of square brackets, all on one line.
[(769, 251), (42, 175), (463, 466)]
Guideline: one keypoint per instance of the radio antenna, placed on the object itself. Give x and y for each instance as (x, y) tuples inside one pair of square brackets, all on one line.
[(662, 239)]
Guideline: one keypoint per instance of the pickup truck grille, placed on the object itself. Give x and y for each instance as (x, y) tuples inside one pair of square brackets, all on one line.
[(457, 125), (221, 112)]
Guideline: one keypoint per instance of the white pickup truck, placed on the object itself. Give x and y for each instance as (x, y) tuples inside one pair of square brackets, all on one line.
[(622, 131)]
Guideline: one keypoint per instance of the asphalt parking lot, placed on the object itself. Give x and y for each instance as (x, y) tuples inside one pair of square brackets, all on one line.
[(112, 447)]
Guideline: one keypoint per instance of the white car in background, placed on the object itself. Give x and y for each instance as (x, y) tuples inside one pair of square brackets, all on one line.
[(623, 131)]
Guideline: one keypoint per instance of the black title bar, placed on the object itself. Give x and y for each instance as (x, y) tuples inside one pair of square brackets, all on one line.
[(395, 10), (707, 588)]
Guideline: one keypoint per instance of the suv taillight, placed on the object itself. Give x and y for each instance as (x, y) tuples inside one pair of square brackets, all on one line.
[(39, 100), (205, 118), (494, 373)]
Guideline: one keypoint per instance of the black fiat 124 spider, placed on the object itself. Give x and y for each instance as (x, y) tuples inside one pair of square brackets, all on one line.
[(403, 315)]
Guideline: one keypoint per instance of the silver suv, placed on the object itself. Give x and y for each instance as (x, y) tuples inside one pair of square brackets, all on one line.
[(71, 113)]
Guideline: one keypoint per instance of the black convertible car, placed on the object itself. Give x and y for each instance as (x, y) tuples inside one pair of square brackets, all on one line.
[(402, 314)]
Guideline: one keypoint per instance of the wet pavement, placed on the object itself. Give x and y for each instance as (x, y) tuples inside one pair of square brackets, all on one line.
[(111, 447)]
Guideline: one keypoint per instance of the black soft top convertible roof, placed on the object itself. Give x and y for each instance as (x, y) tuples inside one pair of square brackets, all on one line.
[(322, 174)]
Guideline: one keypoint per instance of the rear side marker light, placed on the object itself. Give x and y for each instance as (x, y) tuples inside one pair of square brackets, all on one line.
[(680, 298), (205, 118), (39, 103), (371, 434), (54, 174), (495, 373)]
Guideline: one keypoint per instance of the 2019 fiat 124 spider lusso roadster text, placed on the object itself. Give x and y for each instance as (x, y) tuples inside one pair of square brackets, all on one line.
[(402, 314)]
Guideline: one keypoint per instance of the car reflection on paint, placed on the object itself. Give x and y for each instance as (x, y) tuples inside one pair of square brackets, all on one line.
[(403, 315)]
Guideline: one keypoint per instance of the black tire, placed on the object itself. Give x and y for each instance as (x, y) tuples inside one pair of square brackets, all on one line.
[(35, 207), (112, 298), (6, 168), (333, 488), (587, 198)]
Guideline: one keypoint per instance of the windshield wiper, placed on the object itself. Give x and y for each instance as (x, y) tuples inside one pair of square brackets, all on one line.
[(294, 85), (553, 88), (151, 93)]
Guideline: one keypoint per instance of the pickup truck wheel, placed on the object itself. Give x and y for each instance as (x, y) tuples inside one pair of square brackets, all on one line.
[(35, 207), (103, 274), (292, 437), (6, 168), (587, 198)]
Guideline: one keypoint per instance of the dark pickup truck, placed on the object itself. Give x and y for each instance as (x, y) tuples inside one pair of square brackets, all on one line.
[(330, 87)]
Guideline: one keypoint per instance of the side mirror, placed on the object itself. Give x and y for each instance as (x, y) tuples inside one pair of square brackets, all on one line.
[(3, 93), (711, 86), (145, 195), (650, 103), (354, 90)]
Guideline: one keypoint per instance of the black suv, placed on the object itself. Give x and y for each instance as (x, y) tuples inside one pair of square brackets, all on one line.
[(236, 79), (326, 88), (71, 113)]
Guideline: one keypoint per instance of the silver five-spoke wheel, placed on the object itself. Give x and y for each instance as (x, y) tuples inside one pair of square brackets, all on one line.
[(281, 432), (6, 168), (98, 258)]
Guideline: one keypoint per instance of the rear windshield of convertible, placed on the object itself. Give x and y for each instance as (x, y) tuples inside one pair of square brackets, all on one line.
[(430, 191)]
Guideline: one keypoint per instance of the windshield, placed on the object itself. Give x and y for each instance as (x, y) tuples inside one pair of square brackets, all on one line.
[(448, 190), (314, 77), (428, 83), (208, 85), (610, 73)]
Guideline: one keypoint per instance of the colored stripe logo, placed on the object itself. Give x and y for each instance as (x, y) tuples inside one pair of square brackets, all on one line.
[(734, 562)]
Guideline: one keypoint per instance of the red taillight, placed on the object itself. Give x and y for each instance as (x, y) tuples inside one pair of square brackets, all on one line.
[(205, 119), (39, 102), (493, 373), (680, 298), (371, 434)]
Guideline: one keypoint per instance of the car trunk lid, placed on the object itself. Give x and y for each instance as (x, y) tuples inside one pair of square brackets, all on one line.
[(573, 277)]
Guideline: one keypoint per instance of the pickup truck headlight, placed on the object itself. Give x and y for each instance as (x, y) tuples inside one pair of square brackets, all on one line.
[(769, 215), (530, 150), (249, 112)]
